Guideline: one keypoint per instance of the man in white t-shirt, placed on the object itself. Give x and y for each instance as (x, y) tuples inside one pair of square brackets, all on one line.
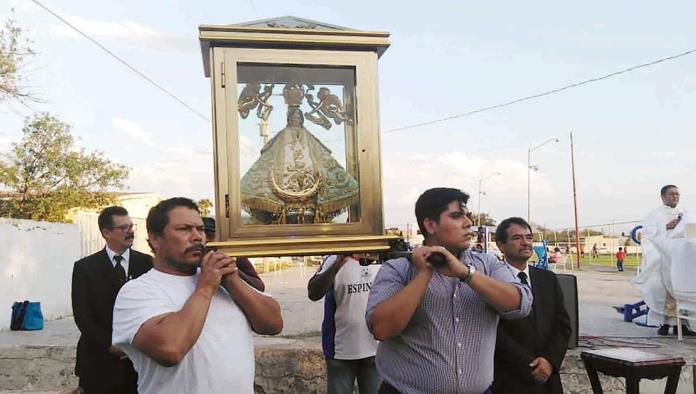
[(349, 347), (186, 324)]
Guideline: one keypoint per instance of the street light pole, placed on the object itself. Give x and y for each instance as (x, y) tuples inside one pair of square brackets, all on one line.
[(611, 237), (529, 186), (480, 182), (530, 167), (478, 210)]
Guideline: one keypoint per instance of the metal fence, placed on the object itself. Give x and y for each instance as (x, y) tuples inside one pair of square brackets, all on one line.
[(599, 243), (92, 241)]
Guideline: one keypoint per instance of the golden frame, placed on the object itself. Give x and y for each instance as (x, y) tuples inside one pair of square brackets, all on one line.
[(223, 51)]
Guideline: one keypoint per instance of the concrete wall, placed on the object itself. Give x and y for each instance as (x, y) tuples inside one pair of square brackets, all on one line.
[(611, 245), (36, 260), (280, 369), (91, 237)]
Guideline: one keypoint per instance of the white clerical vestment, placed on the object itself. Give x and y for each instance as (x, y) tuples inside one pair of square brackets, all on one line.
[(666, 255)]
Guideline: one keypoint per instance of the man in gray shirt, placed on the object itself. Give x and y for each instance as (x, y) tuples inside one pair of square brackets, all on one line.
[(437, 321)]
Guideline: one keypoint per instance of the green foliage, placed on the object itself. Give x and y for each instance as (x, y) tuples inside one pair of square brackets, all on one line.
[(204, 206), (541, 232), (486, 219), (632, 260), (14, 50), (48, 175)]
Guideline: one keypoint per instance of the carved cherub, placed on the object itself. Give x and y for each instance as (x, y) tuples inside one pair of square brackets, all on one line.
[(329, 106), (248, 99), (264, 110)]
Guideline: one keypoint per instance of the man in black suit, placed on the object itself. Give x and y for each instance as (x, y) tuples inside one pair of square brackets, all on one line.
[(96, 280), (529, 351)]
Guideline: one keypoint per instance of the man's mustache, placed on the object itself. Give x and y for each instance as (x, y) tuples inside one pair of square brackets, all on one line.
[(129, 237), (195, 248)]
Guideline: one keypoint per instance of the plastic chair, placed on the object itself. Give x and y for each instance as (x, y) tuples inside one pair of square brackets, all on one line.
[(564, 260), (543, 254)]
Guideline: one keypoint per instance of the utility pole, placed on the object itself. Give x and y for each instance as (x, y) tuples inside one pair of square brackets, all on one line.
[(575, 201)]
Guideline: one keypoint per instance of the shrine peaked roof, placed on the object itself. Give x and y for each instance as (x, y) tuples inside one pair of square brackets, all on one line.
[(289, 32), (291, 22)]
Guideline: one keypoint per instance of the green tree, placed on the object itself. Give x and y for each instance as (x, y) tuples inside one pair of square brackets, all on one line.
[(486, 219), (14, 51), (47, 174), (204, 206)]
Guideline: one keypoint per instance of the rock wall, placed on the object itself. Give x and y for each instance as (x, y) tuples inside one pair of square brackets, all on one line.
[(282, 369)]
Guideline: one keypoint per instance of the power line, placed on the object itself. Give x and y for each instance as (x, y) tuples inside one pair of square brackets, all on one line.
[(132, 68), (135, 70), (412, 126), (253, 8), (538, 95)]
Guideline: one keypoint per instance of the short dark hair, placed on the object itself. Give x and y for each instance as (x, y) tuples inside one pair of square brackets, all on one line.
[(620, 248), (158, 217), (664, 189), (433, 202), (106, 216), (501, 234)]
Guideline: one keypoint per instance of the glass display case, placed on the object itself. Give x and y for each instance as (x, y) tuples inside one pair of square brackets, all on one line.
[(296, 137), (298, 160)]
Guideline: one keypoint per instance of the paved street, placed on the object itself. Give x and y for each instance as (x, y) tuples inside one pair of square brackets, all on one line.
[(599, 288), (289, 287)]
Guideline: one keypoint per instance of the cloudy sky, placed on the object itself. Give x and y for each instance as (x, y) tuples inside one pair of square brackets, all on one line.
[(633, 133)]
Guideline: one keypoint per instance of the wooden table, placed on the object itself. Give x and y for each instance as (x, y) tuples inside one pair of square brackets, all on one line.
[(632, 364)]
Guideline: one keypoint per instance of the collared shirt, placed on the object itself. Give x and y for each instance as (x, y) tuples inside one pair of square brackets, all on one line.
[(448, 345), (516, 272), (124, 262)]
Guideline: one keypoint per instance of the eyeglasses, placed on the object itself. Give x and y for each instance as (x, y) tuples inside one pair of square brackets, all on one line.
[(124, 228)]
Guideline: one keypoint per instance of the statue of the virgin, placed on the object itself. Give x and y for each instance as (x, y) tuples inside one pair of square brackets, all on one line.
[(296, 180)]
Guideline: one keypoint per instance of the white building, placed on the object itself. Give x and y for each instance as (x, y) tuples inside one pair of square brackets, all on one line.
[(137, 204)]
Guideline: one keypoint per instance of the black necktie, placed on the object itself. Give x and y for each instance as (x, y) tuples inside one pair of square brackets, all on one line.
[(521, 275), (523, 279), (120, 271)]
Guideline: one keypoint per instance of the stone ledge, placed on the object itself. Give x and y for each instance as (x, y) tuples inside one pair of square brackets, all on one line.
[(282, 366)]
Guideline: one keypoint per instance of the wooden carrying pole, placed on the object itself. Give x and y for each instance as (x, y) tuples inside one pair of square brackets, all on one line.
[(575, 201)]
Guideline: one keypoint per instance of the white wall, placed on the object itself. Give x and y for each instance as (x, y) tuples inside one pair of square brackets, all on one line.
[(138, 205), (92, 240), (36, 260)]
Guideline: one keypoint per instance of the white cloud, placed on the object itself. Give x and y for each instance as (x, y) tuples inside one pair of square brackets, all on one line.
[(5, 142), (131, 32), (170, 168), (405, 177), (135, 132), (203, 150), (663, 154), (188, 176)]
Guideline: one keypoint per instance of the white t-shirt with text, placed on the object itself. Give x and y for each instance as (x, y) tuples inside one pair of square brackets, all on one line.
[(352, 339)]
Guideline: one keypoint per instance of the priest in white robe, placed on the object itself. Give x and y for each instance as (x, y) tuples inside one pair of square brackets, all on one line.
[(655, 279)]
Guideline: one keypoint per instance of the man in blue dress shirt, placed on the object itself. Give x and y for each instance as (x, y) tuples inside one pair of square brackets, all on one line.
[(437, 322)]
